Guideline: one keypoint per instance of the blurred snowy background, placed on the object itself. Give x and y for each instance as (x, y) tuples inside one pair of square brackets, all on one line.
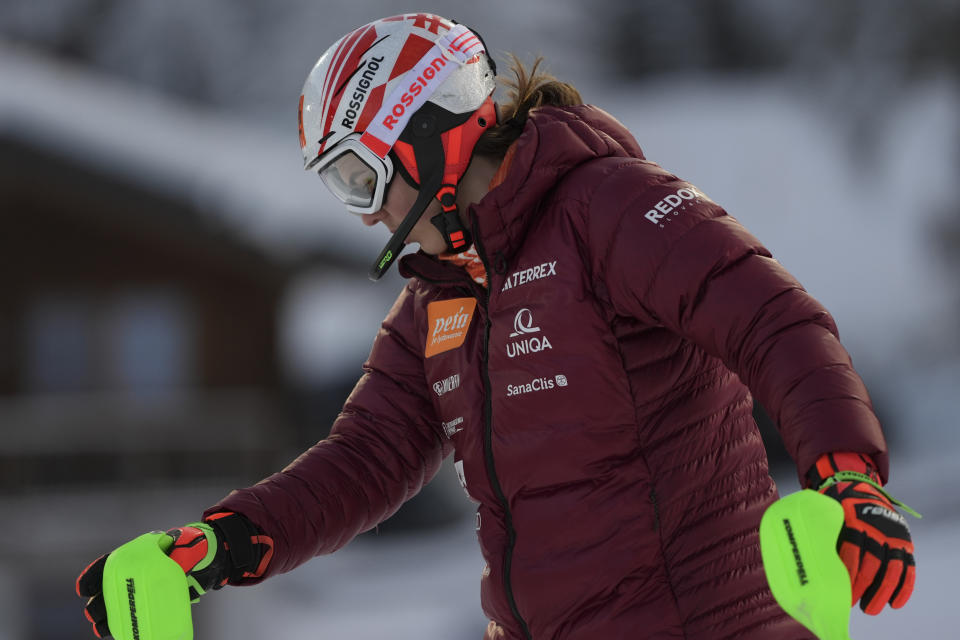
[(183, 309)]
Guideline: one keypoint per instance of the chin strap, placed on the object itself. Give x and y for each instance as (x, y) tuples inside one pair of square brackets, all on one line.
[(458, 145), (455, 234), (432, 155), (391, 251)]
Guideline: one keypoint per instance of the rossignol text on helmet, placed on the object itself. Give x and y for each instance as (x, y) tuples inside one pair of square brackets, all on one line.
[(408, 94)]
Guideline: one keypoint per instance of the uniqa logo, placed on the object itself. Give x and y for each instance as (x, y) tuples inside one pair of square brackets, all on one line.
[(523, 325)]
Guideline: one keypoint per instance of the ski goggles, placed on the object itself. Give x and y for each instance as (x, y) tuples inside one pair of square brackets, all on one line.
[(355, 175)]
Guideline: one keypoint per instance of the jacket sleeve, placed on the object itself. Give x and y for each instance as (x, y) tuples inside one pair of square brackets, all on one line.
[(671, 257), (383, 448)]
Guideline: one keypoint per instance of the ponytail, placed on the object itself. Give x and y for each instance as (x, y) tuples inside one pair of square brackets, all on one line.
[(529, 90)]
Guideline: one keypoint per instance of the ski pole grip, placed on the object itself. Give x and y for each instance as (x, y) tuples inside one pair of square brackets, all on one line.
[(146, 592), (798, 542)]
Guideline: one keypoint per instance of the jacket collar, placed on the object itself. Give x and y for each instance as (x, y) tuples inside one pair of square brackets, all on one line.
[(554, 142)]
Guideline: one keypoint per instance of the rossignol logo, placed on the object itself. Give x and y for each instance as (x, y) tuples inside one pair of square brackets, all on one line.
[(524, 276), (670, 204), (135, 624), (447, 324), (537, 384), (417, 86), (360, 93), (453, 427), (523, 328), (442, 387), (801, 572)]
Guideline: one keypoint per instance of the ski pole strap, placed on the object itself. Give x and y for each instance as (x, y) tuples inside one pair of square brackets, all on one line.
[(856, 476)]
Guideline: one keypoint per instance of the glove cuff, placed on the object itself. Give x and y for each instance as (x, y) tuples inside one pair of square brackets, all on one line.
[(830, 464), (832, 468), (249, 551)]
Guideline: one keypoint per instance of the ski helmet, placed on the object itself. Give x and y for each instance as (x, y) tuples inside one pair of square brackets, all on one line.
[(408, 94)]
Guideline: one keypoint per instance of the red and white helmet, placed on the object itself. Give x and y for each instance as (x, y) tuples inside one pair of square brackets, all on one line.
[(365, 90)]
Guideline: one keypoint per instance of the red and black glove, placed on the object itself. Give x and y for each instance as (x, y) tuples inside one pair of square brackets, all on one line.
[(874, 542)]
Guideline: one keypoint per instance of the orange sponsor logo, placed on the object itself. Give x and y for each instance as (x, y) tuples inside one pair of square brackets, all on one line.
[(447, 324)]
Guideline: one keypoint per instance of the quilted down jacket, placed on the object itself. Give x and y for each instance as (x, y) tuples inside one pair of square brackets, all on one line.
[(595, 398)]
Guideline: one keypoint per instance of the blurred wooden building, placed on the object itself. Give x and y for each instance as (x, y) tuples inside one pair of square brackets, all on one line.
[(136, 336)]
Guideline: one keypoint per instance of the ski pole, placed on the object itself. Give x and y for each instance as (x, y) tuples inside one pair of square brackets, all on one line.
[(798, 543)]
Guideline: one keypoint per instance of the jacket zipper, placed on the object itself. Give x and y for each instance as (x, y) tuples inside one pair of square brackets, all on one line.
[(488, 448), (483, 296)]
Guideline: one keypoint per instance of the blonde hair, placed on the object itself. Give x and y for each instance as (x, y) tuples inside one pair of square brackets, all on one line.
[(528, 89)]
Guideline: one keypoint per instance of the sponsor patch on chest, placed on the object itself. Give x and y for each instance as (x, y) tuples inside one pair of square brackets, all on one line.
[(545, 270), (448, 322)]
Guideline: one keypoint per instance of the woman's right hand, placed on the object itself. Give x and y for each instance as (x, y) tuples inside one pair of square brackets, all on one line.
[(137, 584)]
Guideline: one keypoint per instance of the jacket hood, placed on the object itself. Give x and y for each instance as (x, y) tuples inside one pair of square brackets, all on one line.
[(555, 141)]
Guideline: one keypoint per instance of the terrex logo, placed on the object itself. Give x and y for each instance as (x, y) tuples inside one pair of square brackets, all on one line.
[(406, 99), (447, 324), (524, 276), (670, 203), (523, 326)]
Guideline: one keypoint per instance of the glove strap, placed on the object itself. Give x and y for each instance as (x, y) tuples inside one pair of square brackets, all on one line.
[(250, 551), (202, 564), (856, 476)]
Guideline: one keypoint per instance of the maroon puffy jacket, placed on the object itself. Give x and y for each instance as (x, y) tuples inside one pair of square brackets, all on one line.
[(595, 398)]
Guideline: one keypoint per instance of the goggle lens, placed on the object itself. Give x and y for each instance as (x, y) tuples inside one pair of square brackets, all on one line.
[(350, 179)]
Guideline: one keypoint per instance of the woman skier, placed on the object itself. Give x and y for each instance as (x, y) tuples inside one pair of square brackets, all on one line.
[(584, 332)]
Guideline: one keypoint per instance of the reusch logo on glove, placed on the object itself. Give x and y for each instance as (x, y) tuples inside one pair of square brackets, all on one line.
[(447, 324)]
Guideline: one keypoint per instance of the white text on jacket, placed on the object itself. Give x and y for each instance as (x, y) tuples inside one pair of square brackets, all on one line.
[(524, 276), (671, 202)]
